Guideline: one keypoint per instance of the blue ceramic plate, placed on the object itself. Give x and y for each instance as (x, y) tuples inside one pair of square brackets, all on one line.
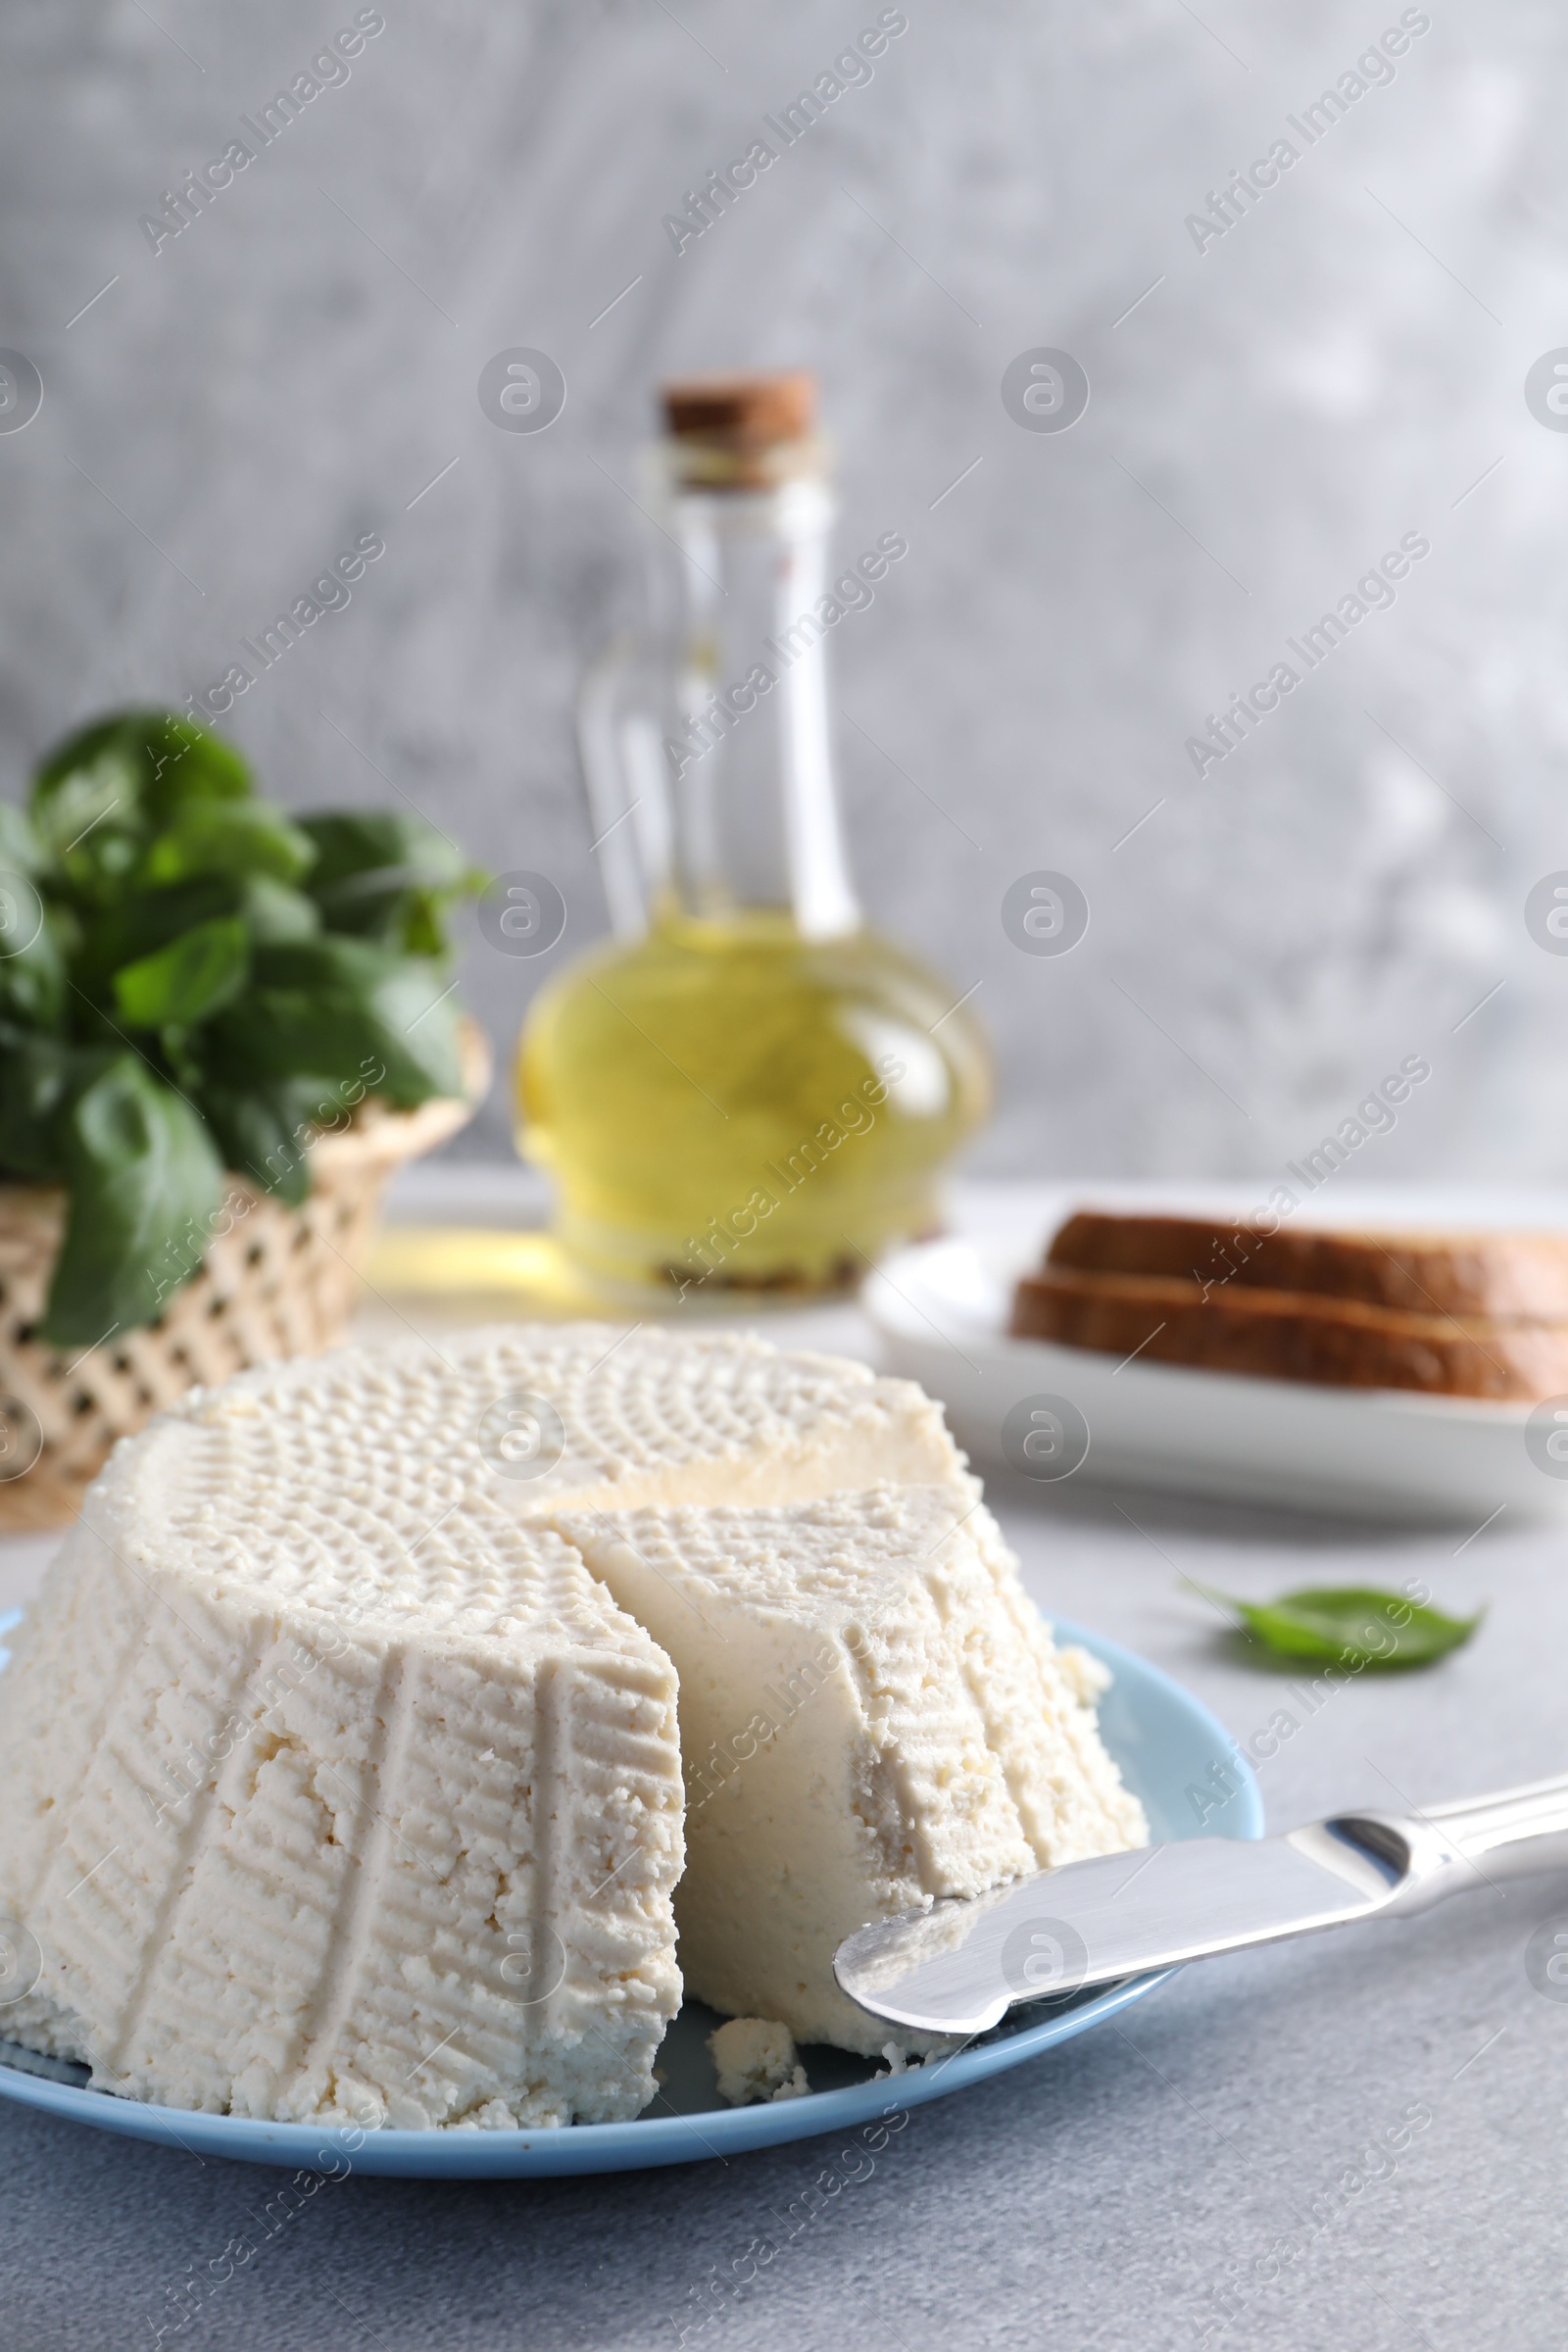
[(1163, 1741)]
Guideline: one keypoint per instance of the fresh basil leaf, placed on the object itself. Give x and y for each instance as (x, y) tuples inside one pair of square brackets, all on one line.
[(388, 914), (33, 978), (88, 783), (275, 913), (35, 1072), (419, 924), (1349, 1625), (384, 876), (186, 762), (227, 837), (21, 851), (154, 919), (146, 763), (143, 1184), (267, 1131), (94, 840), (349, 1010), (351, 844), (182, 984), (258, 1138), (38, 1077)]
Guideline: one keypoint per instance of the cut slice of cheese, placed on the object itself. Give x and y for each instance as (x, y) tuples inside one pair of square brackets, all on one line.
[(872, 1715)]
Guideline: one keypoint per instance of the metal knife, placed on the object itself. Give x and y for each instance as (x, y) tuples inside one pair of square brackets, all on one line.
[(960, 1966)]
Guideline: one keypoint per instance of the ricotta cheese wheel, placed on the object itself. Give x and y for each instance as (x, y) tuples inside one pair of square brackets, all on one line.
[(872, 1716), (341, 1750), (336, 1785)]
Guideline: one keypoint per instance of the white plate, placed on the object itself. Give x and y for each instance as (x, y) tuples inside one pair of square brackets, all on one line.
[(942, 1311)]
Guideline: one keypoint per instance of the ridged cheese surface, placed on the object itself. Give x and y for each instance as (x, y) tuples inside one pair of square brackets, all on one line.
[(872, 1714), (336, 1784)]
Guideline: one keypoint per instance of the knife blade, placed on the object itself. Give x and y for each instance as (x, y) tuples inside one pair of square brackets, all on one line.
[(958, 1966)]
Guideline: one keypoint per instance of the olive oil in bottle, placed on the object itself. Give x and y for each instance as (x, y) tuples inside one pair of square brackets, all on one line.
[(747, 1090)]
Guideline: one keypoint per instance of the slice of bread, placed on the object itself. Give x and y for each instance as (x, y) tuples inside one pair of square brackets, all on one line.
[(1294, 1335), (1434, 1273)]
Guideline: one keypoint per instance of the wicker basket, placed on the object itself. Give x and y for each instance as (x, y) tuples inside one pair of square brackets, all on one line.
[(275, 1282)]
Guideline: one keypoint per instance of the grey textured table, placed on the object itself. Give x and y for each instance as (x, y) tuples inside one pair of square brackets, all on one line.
[(1356, 2143)]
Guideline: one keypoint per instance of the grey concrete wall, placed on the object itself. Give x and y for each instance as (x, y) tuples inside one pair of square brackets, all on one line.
[(1345, 364)]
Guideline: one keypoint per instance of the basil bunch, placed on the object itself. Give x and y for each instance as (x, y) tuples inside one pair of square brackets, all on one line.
[(190, 981)]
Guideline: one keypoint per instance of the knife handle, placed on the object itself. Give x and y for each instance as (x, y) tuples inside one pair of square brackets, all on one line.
[(1511, 1835)]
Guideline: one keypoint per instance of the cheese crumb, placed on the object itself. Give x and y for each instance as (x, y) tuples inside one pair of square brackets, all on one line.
[(756, 2061)]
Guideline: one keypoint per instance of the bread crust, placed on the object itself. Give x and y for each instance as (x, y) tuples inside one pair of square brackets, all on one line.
[(1283, 1334), (1466, 1274)]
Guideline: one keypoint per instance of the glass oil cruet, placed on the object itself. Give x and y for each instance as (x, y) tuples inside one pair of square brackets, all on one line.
[(746, 1089)]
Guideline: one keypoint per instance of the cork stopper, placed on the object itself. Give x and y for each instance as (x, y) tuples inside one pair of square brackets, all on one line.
[(742, 432)]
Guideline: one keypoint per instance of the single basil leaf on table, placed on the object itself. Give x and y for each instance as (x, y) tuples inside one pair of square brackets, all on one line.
[(182, 984), (227, 837), (347, 1009), (1349, 1625), (143, 1183)]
